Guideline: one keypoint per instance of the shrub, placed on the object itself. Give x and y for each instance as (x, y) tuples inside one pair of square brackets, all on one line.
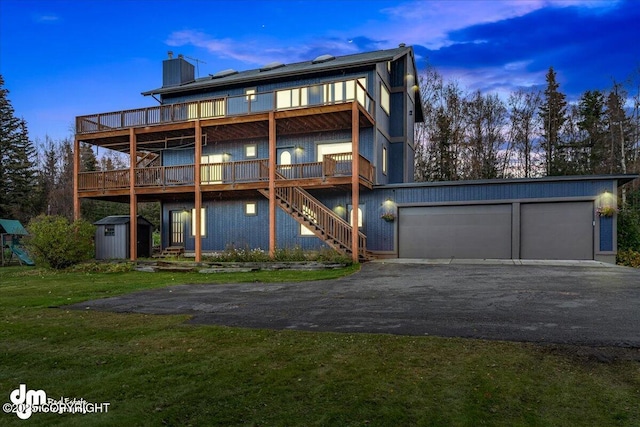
[(290, 255), (629, 258), (58, 243), (629, 229)]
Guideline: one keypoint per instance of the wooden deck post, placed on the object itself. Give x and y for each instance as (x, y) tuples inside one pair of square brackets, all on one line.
[(76, 178), (272, 185), (198, 193), (355, 176), (133, 198)]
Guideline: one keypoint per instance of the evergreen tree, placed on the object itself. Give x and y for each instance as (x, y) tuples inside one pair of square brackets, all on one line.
[(591, 156), (619, 130), (17, 167), (553, 115)]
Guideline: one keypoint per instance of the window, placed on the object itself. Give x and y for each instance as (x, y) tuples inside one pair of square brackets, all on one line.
[(306, 232), (385, 101), (250, 150), (250, 209), (251, 94), (285, 158), (291, 98), (109, 230), (359, 217), (335, 148), (203, 222), (384, 160)]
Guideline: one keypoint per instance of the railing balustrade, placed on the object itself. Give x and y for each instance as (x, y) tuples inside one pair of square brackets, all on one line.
[(284, 99), (217, 173), (322, 217)]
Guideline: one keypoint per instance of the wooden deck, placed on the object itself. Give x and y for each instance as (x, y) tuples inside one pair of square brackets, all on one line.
[(335, 169)]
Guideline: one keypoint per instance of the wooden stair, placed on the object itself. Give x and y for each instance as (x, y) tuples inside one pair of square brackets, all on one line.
[(171, 251), (146, 158), (322, 221)]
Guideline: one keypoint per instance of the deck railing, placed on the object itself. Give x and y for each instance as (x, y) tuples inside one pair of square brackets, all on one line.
[(219, 173), (335, 92), (322, 218)]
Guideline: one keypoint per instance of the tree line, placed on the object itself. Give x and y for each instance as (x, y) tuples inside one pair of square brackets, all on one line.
[(37, 178), (465, 135), (533, 132)]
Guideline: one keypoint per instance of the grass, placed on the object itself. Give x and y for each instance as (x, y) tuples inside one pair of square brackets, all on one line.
[(157, 370)]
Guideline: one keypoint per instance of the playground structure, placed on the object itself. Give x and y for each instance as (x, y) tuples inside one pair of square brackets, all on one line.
[(11, 233)]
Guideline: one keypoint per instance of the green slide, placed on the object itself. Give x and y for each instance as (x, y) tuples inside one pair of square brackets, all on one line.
[(22, 255)]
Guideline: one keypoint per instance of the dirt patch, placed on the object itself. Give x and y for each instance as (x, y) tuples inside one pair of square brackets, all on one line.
[(585, 354)]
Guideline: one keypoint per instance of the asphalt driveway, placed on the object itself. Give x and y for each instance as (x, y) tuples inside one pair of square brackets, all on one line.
[(584, 304)]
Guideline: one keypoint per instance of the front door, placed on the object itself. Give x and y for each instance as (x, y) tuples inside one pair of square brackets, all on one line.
[(177, 228), (284, 162)]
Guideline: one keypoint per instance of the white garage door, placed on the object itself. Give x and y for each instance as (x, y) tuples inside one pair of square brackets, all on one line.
[(474, 232), (556, 230)]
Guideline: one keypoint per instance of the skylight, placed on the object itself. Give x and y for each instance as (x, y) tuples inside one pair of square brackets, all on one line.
[(272, 66), (224, 73), (323, 58)]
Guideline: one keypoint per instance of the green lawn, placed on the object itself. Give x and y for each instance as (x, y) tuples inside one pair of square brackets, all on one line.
[(157, 370)]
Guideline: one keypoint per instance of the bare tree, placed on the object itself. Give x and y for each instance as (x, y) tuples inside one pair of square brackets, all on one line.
[(523, 126)]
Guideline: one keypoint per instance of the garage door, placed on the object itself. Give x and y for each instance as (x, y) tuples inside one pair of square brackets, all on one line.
[(478, 231), (556, 230)]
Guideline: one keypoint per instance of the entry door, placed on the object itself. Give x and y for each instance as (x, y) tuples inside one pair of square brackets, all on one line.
[(177, 228), (212, 169), (284, 161)]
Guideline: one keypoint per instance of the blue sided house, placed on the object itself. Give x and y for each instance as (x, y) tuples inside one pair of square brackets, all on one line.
[(320, 154)]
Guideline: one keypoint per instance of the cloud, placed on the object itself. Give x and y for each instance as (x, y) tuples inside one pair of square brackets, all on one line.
[(47, 18), (252, 51), (586, 45)]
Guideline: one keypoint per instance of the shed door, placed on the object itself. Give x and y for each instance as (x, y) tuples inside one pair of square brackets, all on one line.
[(556, 230), (144, 239), (473, 232)]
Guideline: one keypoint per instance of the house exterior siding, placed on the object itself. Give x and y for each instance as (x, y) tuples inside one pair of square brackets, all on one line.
[(213, 120)]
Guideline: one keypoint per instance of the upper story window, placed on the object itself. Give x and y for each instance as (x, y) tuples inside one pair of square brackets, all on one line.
[(251, 94), (346, 91), (384, 160), (250, 151), (385, 99), (291, 98)]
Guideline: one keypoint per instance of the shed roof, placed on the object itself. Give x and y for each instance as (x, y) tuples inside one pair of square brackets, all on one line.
[(12, 226), (288, 70), (119, 219)]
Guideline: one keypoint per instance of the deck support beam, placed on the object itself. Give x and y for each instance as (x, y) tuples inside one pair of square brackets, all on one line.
[(133, 198), (272, 185), (355, 178), (198, 192), (76, 177)]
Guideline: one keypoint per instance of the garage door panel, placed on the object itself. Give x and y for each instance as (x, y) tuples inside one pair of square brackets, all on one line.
[(477, 231), (556, 230)]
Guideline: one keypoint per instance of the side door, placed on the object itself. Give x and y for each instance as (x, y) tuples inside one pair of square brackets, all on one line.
[(176, 228)]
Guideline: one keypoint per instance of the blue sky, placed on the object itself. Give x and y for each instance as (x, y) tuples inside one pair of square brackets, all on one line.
[(61, 59)]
